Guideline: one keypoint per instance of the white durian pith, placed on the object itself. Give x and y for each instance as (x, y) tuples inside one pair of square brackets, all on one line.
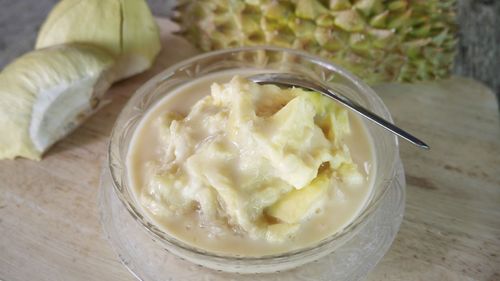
[(47, 93), (125, 28)]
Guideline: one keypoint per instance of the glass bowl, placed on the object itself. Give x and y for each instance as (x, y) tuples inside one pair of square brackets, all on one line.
[(115, 185)]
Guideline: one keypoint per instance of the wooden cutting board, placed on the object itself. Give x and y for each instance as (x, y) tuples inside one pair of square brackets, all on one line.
[(49, 224)]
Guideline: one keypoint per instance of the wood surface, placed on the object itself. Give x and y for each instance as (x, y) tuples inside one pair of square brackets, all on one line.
[(49, 223)]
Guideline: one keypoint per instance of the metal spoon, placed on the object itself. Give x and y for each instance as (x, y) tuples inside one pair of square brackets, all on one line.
[(288, 79)]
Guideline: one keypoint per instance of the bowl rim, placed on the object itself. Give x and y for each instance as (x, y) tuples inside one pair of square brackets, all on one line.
[(171, 240)]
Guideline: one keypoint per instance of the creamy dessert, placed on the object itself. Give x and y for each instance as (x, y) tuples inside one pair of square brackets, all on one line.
[(233, 167)]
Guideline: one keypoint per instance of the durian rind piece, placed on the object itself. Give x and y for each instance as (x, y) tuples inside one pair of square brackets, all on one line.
[(84, 21), (124, 28), (47, 93), (140, 37)]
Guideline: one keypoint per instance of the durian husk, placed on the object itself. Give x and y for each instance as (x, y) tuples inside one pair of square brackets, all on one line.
[(47, 93), (124, 28), (379, 41)]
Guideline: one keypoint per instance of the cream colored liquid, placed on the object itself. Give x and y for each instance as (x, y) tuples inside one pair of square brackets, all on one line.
[(336, 214)]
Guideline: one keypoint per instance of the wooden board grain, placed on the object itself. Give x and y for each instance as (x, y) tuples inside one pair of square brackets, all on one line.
[(451, 229), (49, 224)]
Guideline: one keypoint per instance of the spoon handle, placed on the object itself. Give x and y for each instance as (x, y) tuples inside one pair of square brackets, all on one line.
[(375, 118)]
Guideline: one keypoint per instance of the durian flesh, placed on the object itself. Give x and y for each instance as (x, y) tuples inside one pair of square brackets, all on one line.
[(253, 156), (378, 40), (124, 28), (47, 93)]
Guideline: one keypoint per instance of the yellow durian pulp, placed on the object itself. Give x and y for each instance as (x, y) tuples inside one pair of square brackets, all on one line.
[(297, 204), (260, 158)]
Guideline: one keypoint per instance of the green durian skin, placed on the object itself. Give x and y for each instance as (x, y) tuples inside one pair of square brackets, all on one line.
[(379, 41)]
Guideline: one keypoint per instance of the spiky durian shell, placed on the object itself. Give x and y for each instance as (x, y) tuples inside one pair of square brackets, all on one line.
[(378, 40)]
